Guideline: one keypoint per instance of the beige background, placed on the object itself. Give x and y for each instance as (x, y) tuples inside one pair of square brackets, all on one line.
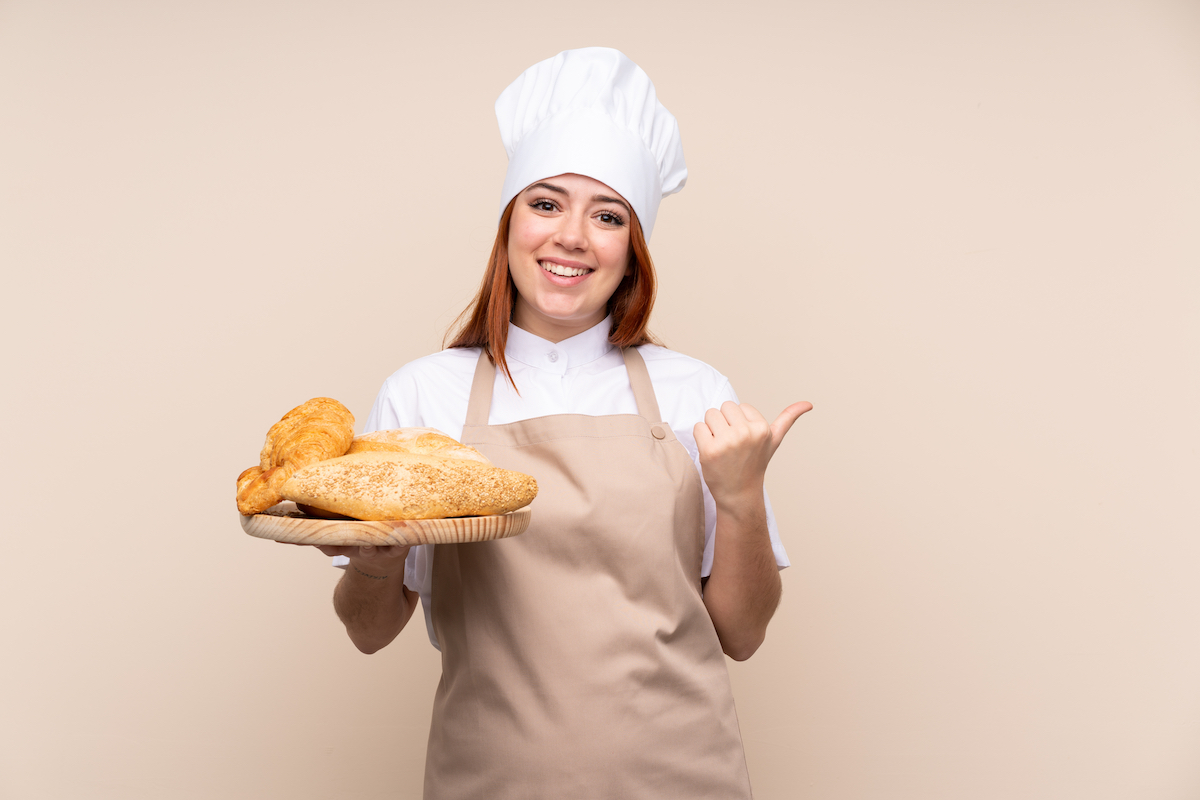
[(965, 231)]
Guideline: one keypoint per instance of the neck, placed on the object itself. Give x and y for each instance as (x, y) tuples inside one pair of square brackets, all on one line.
[(550, 329)]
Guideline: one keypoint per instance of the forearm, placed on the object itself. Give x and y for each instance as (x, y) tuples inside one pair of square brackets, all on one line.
[(743, 589), (373, 609)]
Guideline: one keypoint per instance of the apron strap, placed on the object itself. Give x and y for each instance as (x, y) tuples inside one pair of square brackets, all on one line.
[(639, 379), (480, 404)]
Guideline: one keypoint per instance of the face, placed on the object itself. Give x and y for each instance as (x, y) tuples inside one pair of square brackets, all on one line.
[(568, 249)]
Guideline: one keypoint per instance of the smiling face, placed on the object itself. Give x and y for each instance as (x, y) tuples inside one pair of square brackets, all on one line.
[(568, 249)]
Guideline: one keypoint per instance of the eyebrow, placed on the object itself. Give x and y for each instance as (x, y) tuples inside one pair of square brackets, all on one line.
[(598, 198), (549, 187)]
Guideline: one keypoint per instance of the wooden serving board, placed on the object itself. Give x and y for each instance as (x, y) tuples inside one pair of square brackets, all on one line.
[(286, 523)]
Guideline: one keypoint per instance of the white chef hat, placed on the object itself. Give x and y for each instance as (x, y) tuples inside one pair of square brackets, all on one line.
[(592, 112)]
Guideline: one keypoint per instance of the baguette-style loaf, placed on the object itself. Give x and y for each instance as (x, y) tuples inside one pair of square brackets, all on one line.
[(313, 431), (383, 485), (415, 441)]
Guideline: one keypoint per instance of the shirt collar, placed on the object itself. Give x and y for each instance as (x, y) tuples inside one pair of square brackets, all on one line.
[(583, 348)]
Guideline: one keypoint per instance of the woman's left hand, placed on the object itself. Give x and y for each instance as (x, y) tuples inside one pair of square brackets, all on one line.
[(742, 591), (736, 443)]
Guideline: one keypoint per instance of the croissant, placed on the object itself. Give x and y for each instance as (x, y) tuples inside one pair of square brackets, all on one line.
[(314, 431)]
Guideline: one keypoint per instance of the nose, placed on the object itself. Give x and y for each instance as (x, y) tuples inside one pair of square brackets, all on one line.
[(572, 231)]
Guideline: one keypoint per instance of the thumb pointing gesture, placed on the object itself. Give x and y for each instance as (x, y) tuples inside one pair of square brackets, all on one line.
[(735, 443), (783, 423)]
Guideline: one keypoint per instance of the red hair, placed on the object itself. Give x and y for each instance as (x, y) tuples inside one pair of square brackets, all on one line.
[(488, 315)]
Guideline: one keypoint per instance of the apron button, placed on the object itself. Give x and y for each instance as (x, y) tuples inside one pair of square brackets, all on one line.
[(658, 433)]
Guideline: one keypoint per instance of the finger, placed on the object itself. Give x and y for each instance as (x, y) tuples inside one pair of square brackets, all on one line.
[(702, 434), (751, 413), (733, 413), (786, 419), (716, 421), (380, 553)]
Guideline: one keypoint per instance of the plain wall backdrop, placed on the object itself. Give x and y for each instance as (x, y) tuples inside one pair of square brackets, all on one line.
[(967, 232)]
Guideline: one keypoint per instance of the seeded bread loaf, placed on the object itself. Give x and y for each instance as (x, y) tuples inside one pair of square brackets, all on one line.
[(386, 485)]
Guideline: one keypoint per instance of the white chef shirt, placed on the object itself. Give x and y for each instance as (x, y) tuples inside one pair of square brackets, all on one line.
[(581, 375)]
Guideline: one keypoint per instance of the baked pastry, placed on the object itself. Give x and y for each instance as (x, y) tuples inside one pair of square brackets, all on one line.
[(415, 441), (313, 431), (318, 429), (386, 485)]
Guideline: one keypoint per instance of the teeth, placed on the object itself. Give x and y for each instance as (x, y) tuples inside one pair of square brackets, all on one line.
[(559, 269)]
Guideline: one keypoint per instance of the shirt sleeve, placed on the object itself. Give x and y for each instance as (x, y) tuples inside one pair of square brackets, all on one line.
[(389, 410), (725, 392)]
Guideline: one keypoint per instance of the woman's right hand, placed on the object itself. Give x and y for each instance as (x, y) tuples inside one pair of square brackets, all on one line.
[(372, 560), (371, 599)]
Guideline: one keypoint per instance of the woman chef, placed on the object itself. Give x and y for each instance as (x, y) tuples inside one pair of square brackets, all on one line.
[(583, 659)]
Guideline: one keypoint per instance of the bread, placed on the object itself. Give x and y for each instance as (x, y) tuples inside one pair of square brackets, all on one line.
[(320, 513), (319, 429), (382, 485), (256, 492), (313, 431), (415, 441)]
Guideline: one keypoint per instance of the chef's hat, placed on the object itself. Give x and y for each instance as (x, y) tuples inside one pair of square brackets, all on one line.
[(592, 112)]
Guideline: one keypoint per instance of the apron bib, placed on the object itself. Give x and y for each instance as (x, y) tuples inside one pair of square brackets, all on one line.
[(578, 659)]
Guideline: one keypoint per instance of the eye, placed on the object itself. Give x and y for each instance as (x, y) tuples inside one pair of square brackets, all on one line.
[(543, 204), (611, 218)]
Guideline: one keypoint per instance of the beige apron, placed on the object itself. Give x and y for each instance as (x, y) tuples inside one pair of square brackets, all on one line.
[(578, 659)]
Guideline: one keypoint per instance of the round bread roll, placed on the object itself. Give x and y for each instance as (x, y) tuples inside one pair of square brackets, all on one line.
[(385, 485), (415, 441)]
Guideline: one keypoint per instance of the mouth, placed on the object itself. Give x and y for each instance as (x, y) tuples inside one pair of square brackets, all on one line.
[(563, 271)]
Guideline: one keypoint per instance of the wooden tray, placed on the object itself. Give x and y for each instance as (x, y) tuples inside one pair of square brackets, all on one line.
[(286, 523)]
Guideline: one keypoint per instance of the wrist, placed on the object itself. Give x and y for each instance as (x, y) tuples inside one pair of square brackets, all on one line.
[(374, 576), (744, 506)]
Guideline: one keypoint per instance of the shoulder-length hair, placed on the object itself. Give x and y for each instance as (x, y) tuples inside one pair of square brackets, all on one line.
[(484, 323)]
